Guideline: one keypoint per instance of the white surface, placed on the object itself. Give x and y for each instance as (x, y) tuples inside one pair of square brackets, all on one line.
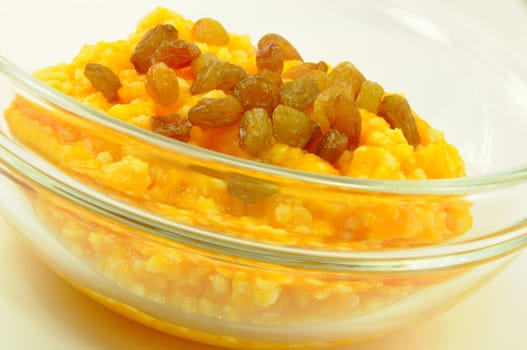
[(40, 311)]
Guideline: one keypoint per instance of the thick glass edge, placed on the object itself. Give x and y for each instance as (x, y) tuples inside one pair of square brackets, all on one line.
[(461, 186), (404, 260)]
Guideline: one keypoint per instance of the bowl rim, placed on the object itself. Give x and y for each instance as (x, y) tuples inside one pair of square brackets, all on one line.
[(27, 84), (25, 168), (22, 163), (44, 174)]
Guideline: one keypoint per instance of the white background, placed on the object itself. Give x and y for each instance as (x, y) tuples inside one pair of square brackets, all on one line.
[(40, 311)]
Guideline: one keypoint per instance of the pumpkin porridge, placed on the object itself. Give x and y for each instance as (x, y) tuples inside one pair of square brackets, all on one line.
[(196, 83)]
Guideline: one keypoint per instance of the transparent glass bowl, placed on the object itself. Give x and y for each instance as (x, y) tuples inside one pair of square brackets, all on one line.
[(213, 275)]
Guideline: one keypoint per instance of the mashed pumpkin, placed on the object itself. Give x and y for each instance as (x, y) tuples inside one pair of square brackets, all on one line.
[(195, 195)]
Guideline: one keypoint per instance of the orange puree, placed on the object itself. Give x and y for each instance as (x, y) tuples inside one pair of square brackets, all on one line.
[(382, 153)]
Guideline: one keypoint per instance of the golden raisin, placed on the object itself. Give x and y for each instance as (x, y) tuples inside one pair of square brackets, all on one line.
[(347, 74), (289, 51), (247, 189), (312, 144), (338, 105), (210, 31), (253, 92), (321, 103), (162, 84), (332, 145), (200, 62), (217, 75), (271, 75), (270, 56), (299, 93), (351, 125), (320, 77), (291, 126), (256, 131), (370, 95), (145, 49), (344, 116), (396, 110), (176, 53), (211, 113), (304, 68), (104, 80), (172, 125)]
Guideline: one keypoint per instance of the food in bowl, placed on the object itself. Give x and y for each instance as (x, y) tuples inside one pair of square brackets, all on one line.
[(196, 83), (218, 97)]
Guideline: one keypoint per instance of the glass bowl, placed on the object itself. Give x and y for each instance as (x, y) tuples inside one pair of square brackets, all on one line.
[(188, 254)]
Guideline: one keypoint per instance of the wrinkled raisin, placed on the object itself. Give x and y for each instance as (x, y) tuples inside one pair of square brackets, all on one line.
[(172, 125), (215, 112), (254, 91), (396, 110), (248, 189), (291, 126), (217, 75), (338, 105), (347, 74), (321, 103), (370, 95), (176, 53), (162, 84), (104, 80), (351, 125), (312, 144), (245, 188), (299, 93), (332, 145), (200, 62), (344, 116), (304, 68), (256, 131), (271, 75), (289, 52), (270, 56), (320, 77), (210, 31), (145, 49)]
